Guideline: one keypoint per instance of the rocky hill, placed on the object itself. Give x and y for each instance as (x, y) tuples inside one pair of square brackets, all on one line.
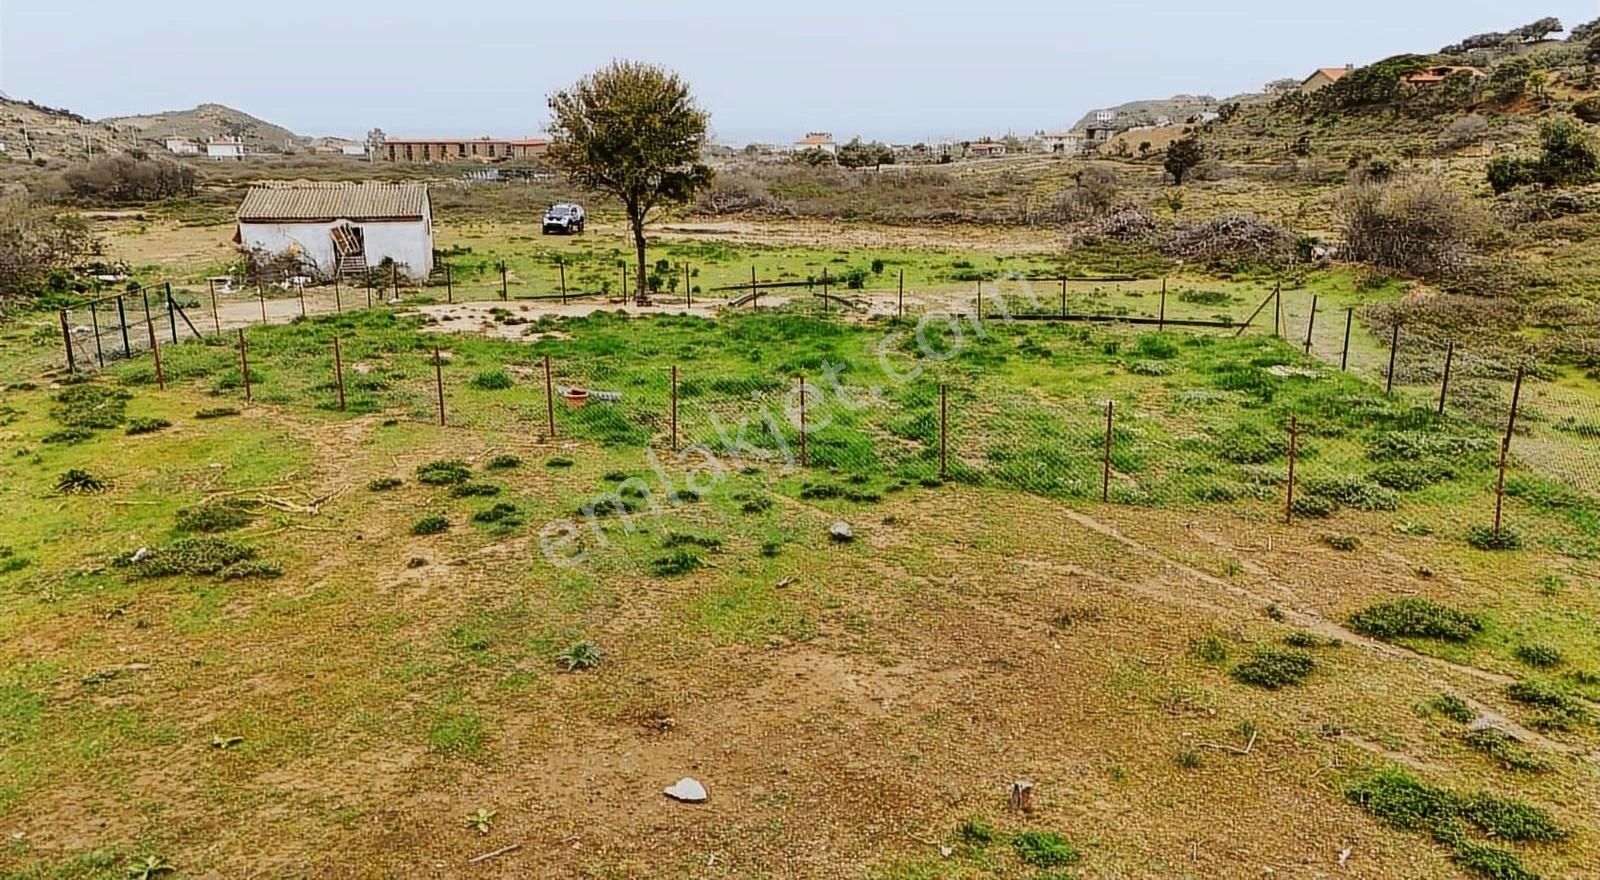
[(30, 131), (208, 121)]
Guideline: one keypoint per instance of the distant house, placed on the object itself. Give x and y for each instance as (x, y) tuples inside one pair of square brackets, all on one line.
[(181, 146), (986, 150), (1432, 76), (1066, 143), (817, 140), (223, 149), (1324, 77), (354, 150), (340, 228)]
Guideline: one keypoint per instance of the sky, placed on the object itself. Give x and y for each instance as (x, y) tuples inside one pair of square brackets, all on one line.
[(767, 70)]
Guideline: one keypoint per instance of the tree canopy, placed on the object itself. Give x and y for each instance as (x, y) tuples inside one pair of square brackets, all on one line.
[(633, 131), (1182, 156)]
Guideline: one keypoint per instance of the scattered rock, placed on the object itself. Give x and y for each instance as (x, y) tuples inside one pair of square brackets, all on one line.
[(1022, 795), (687, 791), (841, 532)]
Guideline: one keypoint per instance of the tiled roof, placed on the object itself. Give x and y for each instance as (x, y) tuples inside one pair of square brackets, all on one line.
[(1333, 73), (334, 201)]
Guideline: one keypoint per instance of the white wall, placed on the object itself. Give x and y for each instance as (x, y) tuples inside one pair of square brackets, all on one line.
[(409, 243)]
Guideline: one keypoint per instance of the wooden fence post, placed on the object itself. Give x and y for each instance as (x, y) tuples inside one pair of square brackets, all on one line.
[(338, 294), (561, 266), (261, 294), (504, 292), (1105, 467), (394, 280), (66, 340), (1294, 451), (980, 300), (824, 290), (300, 290), (1311, 322), (1277, 309), (438, 381), (549, 397), (1444, 383), (338, 371), (944, 432), (155, 353), (674, 407), (688, 288), (900, 307), (449, 284), (1161, 322), (1344, 358), (755, 292), (244, 366), (1394, 350), (368, 273)]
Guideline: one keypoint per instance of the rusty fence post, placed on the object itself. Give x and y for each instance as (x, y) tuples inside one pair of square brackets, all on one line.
[(804, 457), (1311, 322), (1294, 453), (549, 397), (1444, 382), (1394, 351), (944, 432), (338, 371), (674, 407), (66, 340), (244, 365), (155, 353), (438, 381), (1105, 467)]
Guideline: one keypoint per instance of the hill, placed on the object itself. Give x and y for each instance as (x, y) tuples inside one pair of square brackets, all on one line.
[(1147, 112), (31, 131), (208, 121)]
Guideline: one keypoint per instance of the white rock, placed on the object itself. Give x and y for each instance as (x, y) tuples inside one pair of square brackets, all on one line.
[(687, 791), (841, 532)]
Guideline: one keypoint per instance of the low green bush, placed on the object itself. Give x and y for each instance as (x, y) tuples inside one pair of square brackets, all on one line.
[(1044, 849), (144, 425), (1272, 668), (432, 524), (446, 472), (1415, 618)]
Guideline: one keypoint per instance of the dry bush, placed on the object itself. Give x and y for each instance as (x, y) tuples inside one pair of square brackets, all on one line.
[(36, 243), (1232, 240), (1465, 132), (1094, 193), (1126, 226), (123, 179), (735, 193), (1416, 225)]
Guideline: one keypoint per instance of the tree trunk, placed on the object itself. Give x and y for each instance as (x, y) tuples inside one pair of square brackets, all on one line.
[(642, 293)]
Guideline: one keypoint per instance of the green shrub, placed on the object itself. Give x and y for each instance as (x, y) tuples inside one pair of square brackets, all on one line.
[(216, 412), (503, 463), (80, 482), (186, 556), (432, 524), (1044, 849), (252, 569), (977, 832), (579, 657), (1487, 539), (676, 564), (1453, 708), (475, 490), (1303, 639), (447, 472), (1352, 492), (219, 516), (67, 437), (503, 514), (674, 540), (559, 463), (90, 407), (1314, 506), (1411, 476), (1212, 649), (492, 380), (1245, 445), (1342, 543), (1415, 618), (1560, 709), (1540, 656), (143, 425), (1503, 749), (1272, 669), (384, 484)]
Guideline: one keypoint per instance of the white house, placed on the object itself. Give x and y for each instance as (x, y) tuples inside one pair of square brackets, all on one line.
[(222, 149), (341, 228), (181, 146), (358, 151), (817, 140), (1067, 143)]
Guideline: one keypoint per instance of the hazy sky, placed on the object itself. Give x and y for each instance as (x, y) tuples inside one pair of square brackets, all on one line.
[(766, 69)]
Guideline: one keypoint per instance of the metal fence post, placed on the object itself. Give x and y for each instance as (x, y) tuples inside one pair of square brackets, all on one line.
[(755, 292), (122, 321), (449, 284), (674, 407), (338, 295), (1063, 297), (1444, 383), (1277, 310), (561, 266), (1505, 455), (980, 300), (261, 294), (216, 319), (368, 273), (244, 365), (1105, 468), (1161, 322), (66, 340), (549, 397), (94, 322), (1294, 451), (804, 458), (1394, 350), (338, 371), (1311, 322), (1344, 358), (394, 280), (438, 381), (944, 432), (900, 308), (504, 293), (172, 313), (300, 291)]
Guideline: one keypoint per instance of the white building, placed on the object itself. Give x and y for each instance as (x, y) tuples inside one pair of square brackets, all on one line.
[(341, 228), (182, 146), (223, 149), (817, 140), (1066, 143), (358, 151)]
